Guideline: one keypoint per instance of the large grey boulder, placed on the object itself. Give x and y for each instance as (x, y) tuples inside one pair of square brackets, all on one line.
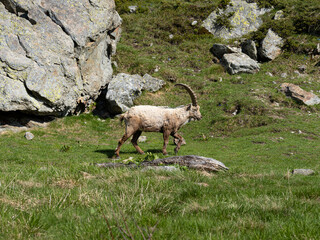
[(246, 18), (152, 84), (55, 52), (270, 46), (239, 63), (124, 89)]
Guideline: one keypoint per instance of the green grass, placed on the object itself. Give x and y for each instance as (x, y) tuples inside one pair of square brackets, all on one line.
[(50, 187)]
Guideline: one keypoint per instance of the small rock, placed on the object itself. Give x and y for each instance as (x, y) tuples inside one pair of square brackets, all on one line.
[(284, 75), (302, 68), (133, 9), (194, 23), (297, 72), (142, 139), (305, 172), (269, 74), (157, 69), (28, 135), (171, 36), (279, 14)]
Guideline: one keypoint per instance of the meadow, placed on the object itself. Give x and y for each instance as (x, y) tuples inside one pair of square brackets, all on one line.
[(51, 188)]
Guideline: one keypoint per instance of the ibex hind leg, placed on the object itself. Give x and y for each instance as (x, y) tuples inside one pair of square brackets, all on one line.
[(166, 135), (177, 136), (134, 141)]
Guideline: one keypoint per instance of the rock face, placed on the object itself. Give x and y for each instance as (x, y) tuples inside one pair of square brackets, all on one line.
[(270, 46), (244, 20), (239, 63), (218, 50), (124, 88), (249, 47), (298, 93), (54, 52)]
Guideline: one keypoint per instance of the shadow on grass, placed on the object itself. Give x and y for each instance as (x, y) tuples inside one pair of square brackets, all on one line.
[(110, 153)]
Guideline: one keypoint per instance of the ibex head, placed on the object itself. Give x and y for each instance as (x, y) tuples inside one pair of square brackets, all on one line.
[(194, 108)]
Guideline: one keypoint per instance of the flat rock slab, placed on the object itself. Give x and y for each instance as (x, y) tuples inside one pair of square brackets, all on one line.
[(190, 161), (305, 172), (298, 93)]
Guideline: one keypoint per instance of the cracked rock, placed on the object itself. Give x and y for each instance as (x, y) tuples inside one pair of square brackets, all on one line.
[(54, 52)]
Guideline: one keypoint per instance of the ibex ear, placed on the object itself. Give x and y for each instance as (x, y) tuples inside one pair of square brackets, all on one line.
[(188, 107)]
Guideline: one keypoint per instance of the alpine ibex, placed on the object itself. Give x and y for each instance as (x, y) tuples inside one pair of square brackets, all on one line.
[(166, 120)]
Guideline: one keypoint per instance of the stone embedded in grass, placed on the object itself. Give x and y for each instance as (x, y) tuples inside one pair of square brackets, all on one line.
[(305, 172), (298, 93), (279, 14), (28, 135), (133, 9), (188, 161), (142, 139)]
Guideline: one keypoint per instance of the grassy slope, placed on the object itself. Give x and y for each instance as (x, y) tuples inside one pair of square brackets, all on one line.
[(50, 189)]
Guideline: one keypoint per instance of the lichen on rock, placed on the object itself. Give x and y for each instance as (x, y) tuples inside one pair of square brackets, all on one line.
[(245, 18), (53, 52)]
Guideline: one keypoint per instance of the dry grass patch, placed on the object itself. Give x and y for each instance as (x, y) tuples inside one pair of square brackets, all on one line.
[(66, 183), (20, 204), (30, 184)]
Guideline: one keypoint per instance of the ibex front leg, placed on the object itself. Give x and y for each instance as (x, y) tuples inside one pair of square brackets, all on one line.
[(177, 136)]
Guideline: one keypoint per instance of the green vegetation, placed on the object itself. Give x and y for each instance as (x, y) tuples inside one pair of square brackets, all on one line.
[(50, 187)]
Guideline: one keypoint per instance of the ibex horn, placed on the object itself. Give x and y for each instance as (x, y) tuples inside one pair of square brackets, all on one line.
[(191, 93)]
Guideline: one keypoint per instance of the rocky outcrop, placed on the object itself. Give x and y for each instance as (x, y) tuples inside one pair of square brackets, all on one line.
[(298, 93), (245, 19), (55, 52), (270, 46), (124, 88), (239, 63)]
